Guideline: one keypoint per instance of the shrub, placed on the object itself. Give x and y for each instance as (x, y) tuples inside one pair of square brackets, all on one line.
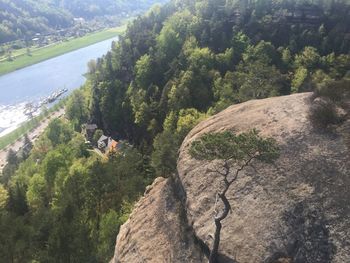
[(323, 113), (336, 91), (331, 103)]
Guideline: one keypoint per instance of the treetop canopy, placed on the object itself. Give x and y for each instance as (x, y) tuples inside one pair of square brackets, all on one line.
[(228, 146)]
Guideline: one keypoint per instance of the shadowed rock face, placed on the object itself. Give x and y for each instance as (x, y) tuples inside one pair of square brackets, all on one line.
[(296, 210)]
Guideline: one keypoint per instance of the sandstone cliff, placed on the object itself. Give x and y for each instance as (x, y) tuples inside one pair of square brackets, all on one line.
[(296, 209), (157, 229)]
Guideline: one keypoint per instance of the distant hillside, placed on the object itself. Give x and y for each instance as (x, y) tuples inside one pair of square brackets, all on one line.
[(92, 8), (20, 18), (24, 18)]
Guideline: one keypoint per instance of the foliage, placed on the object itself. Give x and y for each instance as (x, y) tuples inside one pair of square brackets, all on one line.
[(64, 202), (3, 197), (202, 56), (330, 103), (36, 194), (300, 78), (11, 157), (167, 143), (323, 113), (230, 147), (59, 132), (309, 58), (258, 80), (76, 109), (187, 119), (110, 223), (164, 156), (337, 91), (97, 135)]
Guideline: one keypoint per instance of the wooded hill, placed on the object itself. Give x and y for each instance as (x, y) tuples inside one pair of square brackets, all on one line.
[(24, 18), (92, 8)]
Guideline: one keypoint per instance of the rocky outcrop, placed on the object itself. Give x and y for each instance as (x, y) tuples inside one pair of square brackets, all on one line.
[(157, 230), (296, 210)]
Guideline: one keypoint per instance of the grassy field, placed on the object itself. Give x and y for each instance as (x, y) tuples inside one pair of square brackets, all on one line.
[(22, 59)]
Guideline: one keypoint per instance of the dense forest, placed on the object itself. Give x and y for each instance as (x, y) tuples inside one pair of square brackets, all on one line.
[(63, 203), (190, 59), (21, 19), (175, 66)]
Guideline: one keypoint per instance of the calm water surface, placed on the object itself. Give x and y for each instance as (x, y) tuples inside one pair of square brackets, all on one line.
[(35, 82)]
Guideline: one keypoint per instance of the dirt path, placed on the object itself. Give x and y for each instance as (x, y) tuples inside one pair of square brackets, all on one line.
[(33, 135)]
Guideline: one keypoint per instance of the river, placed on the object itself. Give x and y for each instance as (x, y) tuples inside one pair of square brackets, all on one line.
[(33, 83)]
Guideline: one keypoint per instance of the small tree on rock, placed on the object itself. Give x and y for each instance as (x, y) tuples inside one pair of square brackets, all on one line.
[(234, 153)]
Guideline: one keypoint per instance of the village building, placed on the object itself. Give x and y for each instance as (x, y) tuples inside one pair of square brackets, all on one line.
[(107, 144), (102, 142)]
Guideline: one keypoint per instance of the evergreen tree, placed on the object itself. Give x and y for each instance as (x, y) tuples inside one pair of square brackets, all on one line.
[(236, 153)]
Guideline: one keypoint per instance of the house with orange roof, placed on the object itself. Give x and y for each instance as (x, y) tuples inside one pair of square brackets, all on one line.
[(108, 145), (112, 146)]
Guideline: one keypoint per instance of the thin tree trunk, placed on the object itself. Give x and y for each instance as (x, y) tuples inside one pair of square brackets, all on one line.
[(213, 258), (214, 252)]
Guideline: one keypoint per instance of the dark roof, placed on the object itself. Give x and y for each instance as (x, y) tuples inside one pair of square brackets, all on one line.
[(91, 126)]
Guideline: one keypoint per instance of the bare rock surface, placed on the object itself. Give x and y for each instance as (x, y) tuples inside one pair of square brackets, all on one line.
[(156, 230), (296, 209)]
